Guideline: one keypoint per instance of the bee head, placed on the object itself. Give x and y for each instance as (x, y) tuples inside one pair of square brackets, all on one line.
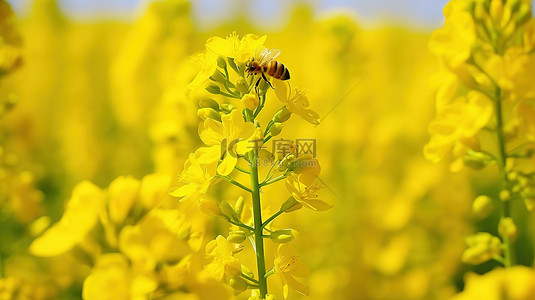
[(249, 65)]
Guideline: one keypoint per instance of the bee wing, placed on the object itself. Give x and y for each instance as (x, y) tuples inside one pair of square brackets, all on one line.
[(267, 56)]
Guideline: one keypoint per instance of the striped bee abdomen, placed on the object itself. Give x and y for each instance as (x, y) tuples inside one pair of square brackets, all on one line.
[(277, 70)]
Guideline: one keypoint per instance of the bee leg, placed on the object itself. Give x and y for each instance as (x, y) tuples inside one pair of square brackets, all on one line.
[(257, 84), (264, 76)]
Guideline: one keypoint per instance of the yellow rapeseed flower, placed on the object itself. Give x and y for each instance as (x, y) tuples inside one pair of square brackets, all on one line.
[(296, 102), (223, 263), (156, 238), (196, 177), (306, 195), (226, 139), (453, 43), (288, 265), (458, 122), (239, 49)]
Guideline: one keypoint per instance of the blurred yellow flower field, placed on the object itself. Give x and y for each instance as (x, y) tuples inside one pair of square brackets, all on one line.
[(324, 158)]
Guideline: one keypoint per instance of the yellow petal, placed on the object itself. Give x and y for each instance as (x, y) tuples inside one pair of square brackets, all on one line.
[(211, 132), (316, 204), (227, 165), (123, 192), (79, 218), (208, 155), (281, 90)]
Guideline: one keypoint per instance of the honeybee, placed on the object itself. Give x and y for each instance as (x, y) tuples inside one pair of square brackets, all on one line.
[(263, 63)]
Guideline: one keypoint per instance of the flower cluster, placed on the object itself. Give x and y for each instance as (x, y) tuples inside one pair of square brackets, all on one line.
[(484, 113), (230, 107), (132, 235)]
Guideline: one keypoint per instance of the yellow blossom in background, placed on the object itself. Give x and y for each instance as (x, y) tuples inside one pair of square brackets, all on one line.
[(81, 215), (123, 193), (232, 46), (458, 123), (113, 278), (10, 40), (125, 103), (514, 283)]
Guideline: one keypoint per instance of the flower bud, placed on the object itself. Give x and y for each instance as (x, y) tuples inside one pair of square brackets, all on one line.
[(510, 164), (218, 76), (238, 284), (473, 162), (513, 4), (208, 113), (208, 103), (285, 162), (496, 10), (257, 139), (209, 207), (477, 160), (505, 195), (39, 226), (226, 209), (221, 62), (523, 14), (236, 237), (482, 206), (276, 129), (263, 87), (232, 64), (241, 85), (481, 247), (246, 271), (530, 203), (282, 115), (227, 107), (508, 229), (238, 207), (233, 268), (212, 88), (283, 235), (512, 176), (290, 205), (250, 101), (480, 13)]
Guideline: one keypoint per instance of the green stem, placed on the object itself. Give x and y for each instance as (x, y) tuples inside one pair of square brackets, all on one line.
[(241, 170), (508, 253), (234, 182), (239, 224), (273, 180), (229, 95), (257, 212), (272, 218), (271, 272), (260, 106), (268, 127), (249, 278)]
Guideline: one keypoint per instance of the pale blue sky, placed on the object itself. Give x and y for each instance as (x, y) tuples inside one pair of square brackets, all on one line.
[(418, 13)]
